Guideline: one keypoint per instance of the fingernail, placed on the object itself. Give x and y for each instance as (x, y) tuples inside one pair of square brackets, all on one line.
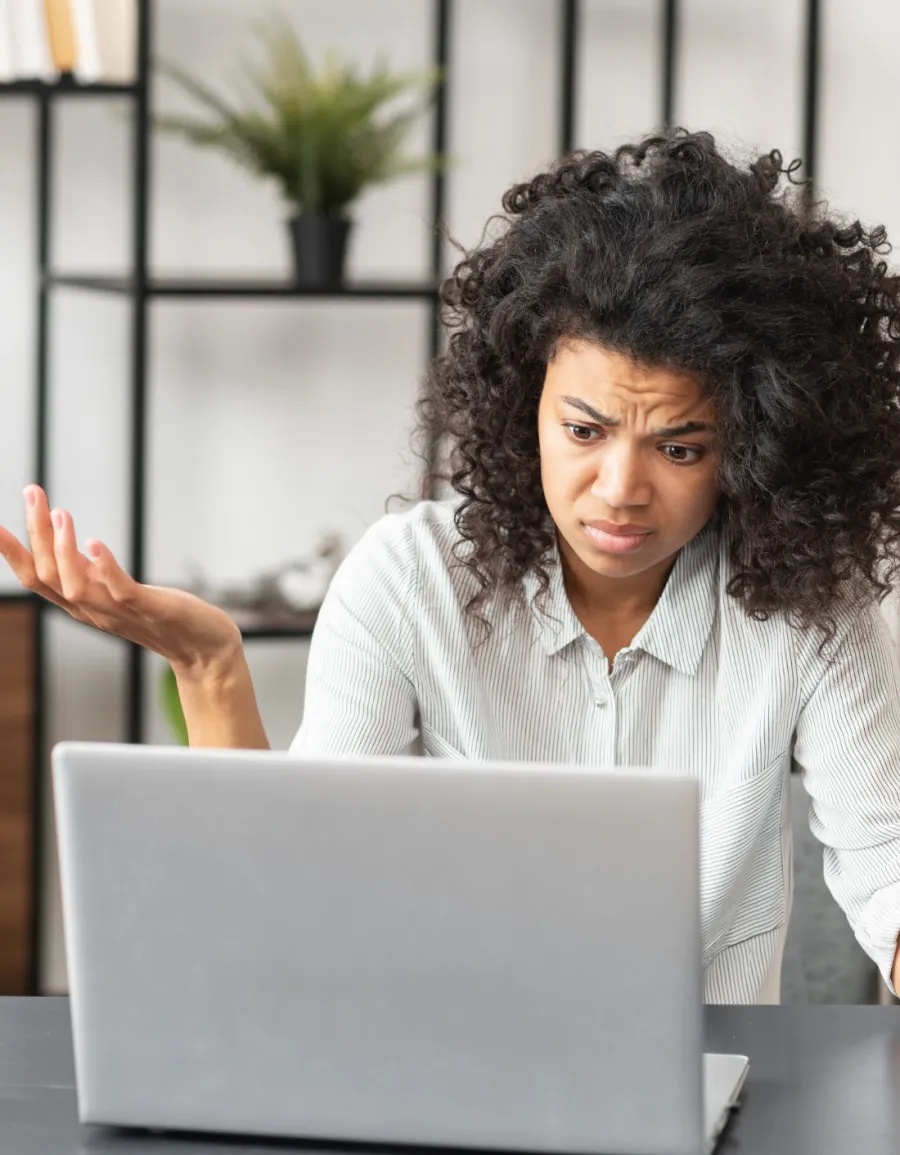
[(93, 549), (57, 519), (30, 497)]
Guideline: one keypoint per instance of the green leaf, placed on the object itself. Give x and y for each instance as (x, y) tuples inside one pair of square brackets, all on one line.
[(171, 703), (195, 88)]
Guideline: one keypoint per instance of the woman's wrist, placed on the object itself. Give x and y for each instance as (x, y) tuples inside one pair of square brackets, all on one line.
[(219, 702), (211, 670)]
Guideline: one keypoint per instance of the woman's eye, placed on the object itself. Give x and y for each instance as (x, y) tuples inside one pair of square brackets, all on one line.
[(581, 432), (682, 454)]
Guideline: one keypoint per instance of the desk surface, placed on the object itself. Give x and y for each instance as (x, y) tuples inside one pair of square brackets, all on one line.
[(822, 1079)]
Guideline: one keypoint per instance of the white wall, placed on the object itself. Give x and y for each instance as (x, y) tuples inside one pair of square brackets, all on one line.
[(272, 422)]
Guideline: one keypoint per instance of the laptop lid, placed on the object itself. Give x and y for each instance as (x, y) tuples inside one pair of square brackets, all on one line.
[(397, 950)]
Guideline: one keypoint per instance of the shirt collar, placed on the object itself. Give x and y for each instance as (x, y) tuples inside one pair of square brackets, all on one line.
[(678, 629)]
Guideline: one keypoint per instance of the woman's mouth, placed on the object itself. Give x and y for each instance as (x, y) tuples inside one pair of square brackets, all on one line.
[(612, 538)]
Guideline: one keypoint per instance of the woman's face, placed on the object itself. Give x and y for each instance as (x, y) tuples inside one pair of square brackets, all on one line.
[(628, 460)]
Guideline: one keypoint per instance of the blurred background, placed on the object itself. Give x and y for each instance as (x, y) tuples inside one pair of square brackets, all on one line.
[(210, 418)]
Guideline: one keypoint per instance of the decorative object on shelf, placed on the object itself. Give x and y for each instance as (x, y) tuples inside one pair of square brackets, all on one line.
[(324, 136), (297, 587), (301, 585), (280, 597)]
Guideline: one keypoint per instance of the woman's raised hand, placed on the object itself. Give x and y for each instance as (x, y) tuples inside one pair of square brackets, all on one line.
[(186, 631)]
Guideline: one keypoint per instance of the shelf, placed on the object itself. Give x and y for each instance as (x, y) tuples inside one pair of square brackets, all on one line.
[(246, 288), (65, 86), (273, 623)]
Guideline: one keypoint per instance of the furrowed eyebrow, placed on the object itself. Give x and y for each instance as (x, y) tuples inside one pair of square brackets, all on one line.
[(683, 430), (667, 431), (593, 413)]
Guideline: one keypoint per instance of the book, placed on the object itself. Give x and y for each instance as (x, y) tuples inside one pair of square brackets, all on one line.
[(61, 34), (87, 49), (7, 51), (106, 40), (32, 59)]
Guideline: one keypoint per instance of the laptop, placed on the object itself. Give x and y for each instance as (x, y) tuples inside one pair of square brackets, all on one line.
[(392, 950)]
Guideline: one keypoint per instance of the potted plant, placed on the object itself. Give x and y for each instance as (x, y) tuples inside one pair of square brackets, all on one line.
[(323, 136)]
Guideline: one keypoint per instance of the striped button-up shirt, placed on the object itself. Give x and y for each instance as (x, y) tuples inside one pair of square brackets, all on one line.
[(396, 666)]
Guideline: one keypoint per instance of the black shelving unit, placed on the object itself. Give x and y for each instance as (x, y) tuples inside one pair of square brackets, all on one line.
[(142, 288), (200, 288)]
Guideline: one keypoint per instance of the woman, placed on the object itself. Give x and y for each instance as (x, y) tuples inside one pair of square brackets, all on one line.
[(671, 396)]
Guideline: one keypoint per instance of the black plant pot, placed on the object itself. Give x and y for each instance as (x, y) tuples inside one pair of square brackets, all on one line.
[(320, 247)]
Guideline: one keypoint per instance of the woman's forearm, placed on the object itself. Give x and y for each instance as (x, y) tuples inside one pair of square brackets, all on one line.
[(219, 704)]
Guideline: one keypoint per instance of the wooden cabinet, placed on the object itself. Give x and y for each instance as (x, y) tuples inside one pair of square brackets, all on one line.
[(17, 796)]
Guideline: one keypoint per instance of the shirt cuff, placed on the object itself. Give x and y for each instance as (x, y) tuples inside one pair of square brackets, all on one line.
[(878, 929)]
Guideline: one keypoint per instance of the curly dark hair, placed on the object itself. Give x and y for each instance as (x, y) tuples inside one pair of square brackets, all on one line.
[(668, 252)]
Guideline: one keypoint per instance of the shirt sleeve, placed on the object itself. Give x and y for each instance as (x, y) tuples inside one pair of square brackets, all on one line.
[(847, 744), (360, 686)]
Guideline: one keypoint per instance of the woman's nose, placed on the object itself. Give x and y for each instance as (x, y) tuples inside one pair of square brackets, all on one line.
[(621, 479)]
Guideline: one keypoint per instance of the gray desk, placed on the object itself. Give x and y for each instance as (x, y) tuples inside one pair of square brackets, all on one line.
[(823, 1080)]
